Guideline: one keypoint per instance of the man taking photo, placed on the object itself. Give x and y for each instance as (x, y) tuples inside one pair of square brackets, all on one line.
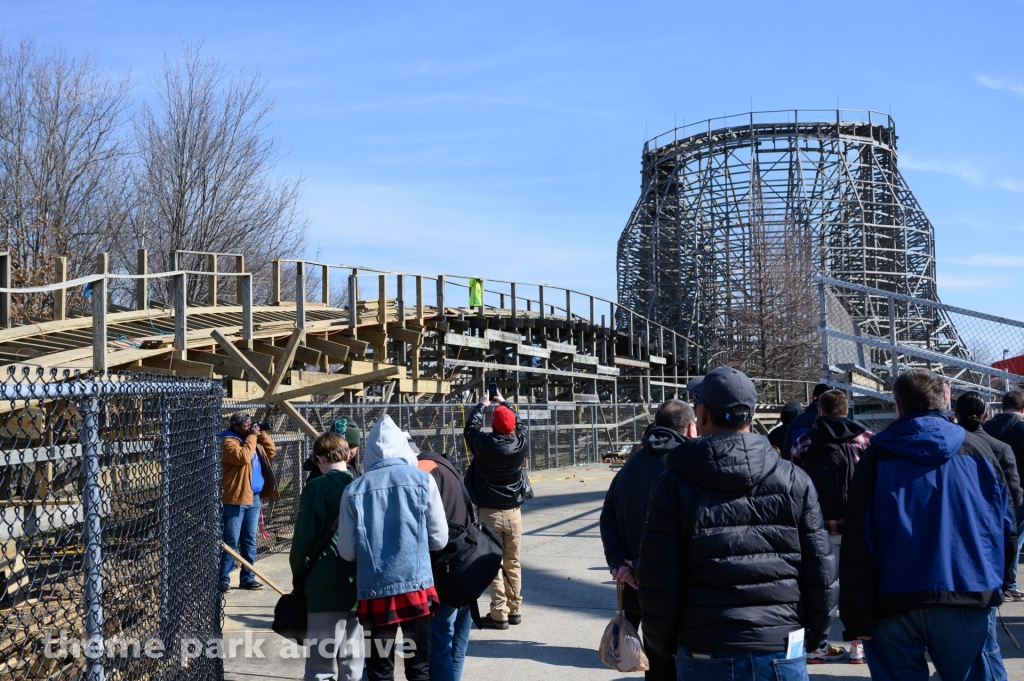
[(498, 484), (245, 454), (735, 567)]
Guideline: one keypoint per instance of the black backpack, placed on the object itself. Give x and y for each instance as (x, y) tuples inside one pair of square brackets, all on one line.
[(468, 564), (830, 467)]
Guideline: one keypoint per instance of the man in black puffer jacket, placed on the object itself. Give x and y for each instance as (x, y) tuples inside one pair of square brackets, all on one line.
[(625, 507), (734, 557), (498, 484)]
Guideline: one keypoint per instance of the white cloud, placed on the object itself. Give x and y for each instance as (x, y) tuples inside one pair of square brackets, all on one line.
[(1012, 185), (965, 170), (961, 283), (989, 260), (997, 83)]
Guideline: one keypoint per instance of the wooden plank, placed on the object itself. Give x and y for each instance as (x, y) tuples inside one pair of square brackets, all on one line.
[(357, 347), (561, 348), (607, 371), (424, 385), (405, 335), (328, 387), (655, 359), (503, 336), (494, 366), (531, 351), (466, 341), (336, 352), (186, 367), (627, 362), (585, 359), (586, 398), (284, 361), (376, 338), (259, 360), (356, 366)]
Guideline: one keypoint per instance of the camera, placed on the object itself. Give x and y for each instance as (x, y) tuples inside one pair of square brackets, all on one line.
[(266, 426)]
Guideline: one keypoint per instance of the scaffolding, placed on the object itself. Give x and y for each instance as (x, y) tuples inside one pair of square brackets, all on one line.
[(802, 192)]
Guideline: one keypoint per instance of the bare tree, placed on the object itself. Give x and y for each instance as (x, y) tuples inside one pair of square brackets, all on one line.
[(62, 186), (772, 330), (205, 174)]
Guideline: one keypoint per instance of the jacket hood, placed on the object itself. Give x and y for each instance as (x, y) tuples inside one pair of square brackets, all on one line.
[(728, 462), (1000, 425), (660, 440), (927, 437), (836, 429), (386, 441)]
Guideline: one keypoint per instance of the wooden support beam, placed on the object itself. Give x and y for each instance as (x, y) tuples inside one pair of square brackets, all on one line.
[(211, 265), (336, 352), (300, 295), (397, 331), (99, 315), (184, 367), (240, 286), (141, 285), (328, 387), (259, 360), (60, 296), (260, 380), (181, 315), (357, 347), (284, 363), (275, 282)]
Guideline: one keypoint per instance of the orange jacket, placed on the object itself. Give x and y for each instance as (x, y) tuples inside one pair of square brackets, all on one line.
[(236, 462)]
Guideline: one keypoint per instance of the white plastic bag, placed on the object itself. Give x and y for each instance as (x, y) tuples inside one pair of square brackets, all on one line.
[(621, 648)]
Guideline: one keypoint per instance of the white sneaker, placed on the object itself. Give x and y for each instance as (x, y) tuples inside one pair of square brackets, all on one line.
[(857, 653), (826, 653)]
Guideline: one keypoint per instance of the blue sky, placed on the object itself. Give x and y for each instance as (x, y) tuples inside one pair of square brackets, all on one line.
[(504, 139)]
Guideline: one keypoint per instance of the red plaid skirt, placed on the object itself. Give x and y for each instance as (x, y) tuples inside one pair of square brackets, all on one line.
[(380, 612)]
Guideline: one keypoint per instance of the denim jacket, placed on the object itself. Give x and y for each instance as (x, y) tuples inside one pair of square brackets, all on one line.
[(391, 518)]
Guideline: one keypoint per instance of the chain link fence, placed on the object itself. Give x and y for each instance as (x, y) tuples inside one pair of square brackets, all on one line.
[(560, 434), (973, 350), (109, 526)]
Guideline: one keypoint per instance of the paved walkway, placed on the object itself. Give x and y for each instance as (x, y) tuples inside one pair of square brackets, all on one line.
[(568, 599)]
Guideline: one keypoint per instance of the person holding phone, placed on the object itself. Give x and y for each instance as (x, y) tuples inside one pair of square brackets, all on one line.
[(498, 485)]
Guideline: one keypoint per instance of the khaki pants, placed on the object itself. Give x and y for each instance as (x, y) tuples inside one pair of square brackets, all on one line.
[(506, 589)]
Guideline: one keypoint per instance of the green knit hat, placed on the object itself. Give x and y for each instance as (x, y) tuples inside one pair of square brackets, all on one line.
[(351, 433)]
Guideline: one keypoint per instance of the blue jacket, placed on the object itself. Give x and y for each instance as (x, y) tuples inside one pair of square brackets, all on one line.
[(928, 524), (391, 517)]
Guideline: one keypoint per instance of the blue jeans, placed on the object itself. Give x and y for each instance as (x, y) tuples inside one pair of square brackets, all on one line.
[(240, 526), (961, 642), (740, 667), (1020, 543), (449, 638)]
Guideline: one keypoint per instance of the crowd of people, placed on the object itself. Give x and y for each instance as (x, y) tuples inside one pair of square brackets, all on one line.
[(731, 546), (364, 541)]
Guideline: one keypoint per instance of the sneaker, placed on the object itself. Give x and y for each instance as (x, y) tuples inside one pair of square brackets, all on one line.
[(251, 586), (515, 619), (488, 622), (1013, 595), (826, 653), (857, 652), (224, 588)]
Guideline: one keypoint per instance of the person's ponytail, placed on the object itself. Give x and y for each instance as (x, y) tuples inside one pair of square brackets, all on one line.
[(970, 410)]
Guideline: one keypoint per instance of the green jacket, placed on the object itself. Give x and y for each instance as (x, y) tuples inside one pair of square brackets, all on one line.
[(331, 585)]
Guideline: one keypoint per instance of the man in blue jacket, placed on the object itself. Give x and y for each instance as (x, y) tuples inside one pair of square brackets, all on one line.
[(928, 544)]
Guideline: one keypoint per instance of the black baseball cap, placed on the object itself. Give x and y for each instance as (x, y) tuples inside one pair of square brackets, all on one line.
[(722, 389)]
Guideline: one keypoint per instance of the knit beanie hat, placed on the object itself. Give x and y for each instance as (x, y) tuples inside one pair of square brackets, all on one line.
[(503, 421), (351, 434)]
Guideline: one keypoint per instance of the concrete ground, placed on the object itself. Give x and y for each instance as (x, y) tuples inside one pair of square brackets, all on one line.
[(568, 599)]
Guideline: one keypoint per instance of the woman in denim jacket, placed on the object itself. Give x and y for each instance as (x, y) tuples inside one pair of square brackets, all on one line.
[(391, 518)]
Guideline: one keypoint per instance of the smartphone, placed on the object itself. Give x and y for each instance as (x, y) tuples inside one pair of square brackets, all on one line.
[(492, 389)]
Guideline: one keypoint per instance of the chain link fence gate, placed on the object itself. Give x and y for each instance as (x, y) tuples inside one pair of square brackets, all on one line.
[(109, 526), (560, 434)]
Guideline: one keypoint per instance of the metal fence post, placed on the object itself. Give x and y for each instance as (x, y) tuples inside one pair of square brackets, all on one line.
[(823, 321), (892, 338), (165, 537), (92, 536)]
